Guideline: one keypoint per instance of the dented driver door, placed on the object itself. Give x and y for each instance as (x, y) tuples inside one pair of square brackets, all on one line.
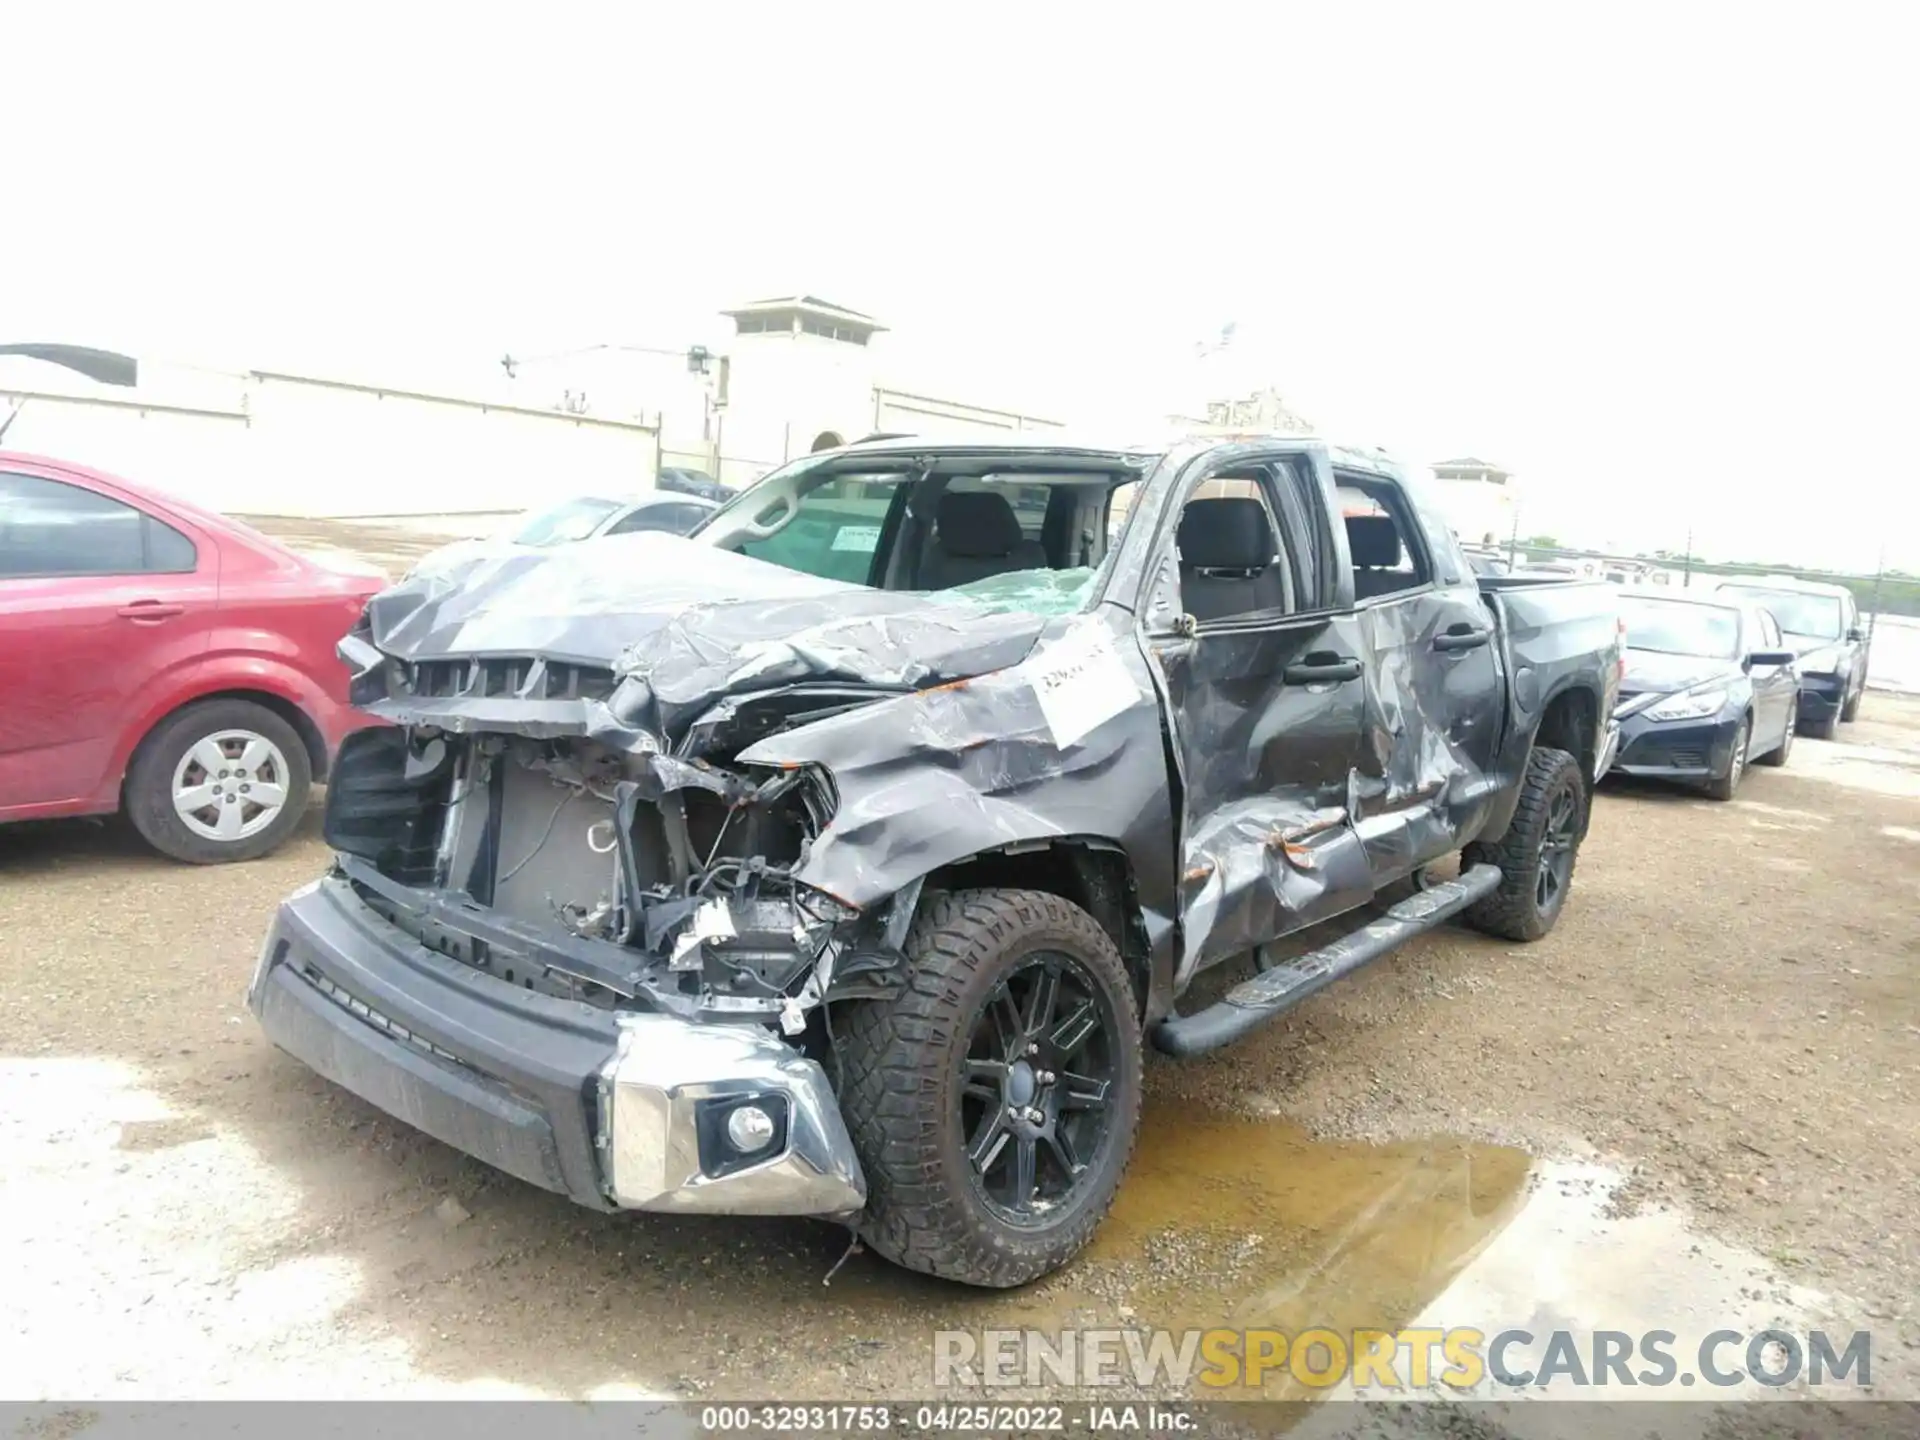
[(1264, 683)]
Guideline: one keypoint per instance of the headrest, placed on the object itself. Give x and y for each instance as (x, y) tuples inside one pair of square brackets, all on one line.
[(1373, 541), (1226, 534), (977, 525)]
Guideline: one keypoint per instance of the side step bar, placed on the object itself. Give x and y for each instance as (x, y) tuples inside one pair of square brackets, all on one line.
[(1253, 1002)]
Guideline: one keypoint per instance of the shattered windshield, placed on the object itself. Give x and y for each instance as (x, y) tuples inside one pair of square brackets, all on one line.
[(565, 523), (1038, 592), (1812, 617), (1005, 541)]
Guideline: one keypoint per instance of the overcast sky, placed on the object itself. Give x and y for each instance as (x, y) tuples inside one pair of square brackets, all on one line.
[(1660, 262)]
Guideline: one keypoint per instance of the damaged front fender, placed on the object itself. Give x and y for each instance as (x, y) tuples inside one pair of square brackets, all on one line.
[(1064, 746)]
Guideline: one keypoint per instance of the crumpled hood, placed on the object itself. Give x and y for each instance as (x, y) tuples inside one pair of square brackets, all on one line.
[(1654, 672), (694, 622)]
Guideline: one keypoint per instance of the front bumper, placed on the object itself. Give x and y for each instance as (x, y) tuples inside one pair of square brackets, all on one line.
[(615, 1110), (1821, 697), (1676, 749), (1609, 751)]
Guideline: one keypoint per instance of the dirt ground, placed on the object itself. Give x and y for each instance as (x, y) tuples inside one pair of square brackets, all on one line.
[(1726, 1022)]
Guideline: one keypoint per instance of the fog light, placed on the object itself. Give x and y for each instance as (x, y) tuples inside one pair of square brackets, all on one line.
[(749, 1129)]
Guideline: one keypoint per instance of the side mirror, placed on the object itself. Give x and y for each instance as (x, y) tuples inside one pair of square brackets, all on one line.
[(1856, 634), (1770, 657)]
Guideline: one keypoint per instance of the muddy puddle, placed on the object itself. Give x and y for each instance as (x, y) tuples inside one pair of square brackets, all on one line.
[(1246, 1224)]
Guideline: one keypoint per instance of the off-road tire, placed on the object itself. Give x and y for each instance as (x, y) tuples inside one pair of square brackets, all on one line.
[(1850, 710), (899, 1067), (148, 796), (1778, 755), (1513, 911), (1722, 787)]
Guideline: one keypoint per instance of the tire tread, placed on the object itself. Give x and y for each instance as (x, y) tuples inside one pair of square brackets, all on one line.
[(893, 1055)]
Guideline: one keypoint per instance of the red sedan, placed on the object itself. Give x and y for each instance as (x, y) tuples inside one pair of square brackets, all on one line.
[(163, 660)]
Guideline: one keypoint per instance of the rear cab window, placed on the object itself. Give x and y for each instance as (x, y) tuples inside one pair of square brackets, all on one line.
[(1386, 550)]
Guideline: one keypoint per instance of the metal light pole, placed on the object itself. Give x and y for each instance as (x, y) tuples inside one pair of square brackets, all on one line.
[(1686, 563)]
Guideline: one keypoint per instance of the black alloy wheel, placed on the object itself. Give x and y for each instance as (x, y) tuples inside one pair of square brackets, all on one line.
[(1037, 1089)]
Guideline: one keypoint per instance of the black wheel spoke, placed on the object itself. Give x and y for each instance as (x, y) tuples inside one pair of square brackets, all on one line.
[(1046, 995), (1083, 1092), (988, 1141), (985, 1080), (1006, 1020), (1026, 1153), (1061, 1144), (1071, 1033)]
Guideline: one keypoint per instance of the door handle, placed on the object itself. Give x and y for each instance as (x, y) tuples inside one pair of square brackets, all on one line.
[(150, 610), (1321, 668), (1461, 637)]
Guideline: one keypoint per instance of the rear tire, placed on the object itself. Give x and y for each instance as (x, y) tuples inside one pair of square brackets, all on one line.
[(1538, 853), (248, 765), (930, 1072)]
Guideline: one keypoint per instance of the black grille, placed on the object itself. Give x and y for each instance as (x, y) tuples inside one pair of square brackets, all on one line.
[(1649, 752), (518, 676)]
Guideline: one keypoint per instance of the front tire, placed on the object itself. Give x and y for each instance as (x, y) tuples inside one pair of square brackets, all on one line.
[(219, 781), (1850, 711), (1778, 755), (1722, 787), (1537, 854), (994, 1099)]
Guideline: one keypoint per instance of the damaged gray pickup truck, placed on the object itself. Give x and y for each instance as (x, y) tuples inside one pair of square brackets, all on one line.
[(838, 860)]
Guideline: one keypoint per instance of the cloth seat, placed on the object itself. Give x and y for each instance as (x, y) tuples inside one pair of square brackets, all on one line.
[(1227, 556), (976, 535)]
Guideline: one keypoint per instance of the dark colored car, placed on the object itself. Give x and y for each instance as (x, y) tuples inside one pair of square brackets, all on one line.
[(1821, 624), (160, 659), (1485, 564), (840, 859), (1710, 684), (678, 480)]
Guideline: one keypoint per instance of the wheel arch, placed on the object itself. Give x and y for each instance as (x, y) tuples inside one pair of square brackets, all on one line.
[(1089, 871), (1568, 719), (303, 725)]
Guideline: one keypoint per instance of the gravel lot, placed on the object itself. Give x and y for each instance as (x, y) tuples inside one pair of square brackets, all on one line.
[(1715, 1053)]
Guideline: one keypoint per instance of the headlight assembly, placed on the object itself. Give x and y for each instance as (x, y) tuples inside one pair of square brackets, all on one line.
[(1689, 705)]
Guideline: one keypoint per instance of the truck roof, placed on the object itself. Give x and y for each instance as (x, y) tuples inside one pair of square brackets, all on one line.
[(1134, 451)]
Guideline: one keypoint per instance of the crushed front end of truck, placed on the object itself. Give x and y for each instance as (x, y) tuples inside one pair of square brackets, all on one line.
[(587, 899)]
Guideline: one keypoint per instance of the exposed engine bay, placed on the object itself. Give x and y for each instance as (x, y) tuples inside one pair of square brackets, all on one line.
[(621, 879)]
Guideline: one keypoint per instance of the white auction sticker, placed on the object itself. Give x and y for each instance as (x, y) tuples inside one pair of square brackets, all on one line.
[(863, 539), (1080, 683)]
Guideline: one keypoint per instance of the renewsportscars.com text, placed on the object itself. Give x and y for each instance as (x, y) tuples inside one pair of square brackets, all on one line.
[(1461, 1359)]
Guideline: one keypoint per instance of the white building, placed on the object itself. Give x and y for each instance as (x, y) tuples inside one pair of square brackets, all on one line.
[(1264, 412), (1478, 499), (798, 374)]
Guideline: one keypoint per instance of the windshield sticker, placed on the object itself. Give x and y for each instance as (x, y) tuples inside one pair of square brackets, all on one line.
[(864, 538), (1080, 684)]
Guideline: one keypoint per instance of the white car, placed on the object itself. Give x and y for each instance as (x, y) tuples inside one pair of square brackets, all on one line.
[(584, 517), (587, 517)]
